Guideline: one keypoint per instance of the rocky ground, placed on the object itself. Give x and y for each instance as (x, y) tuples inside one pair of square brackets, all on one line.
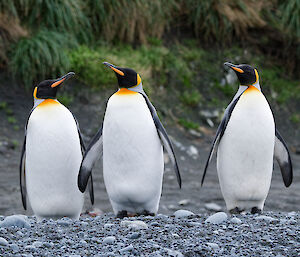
[(182, 234)]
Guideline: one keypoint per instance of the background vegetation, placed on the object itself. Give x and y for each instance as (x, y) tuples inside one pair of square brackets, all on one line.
[(174, 44)]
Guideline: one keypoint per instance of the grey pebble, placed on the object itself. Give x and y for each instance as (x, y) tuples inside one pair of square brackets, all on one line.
[(30, 248), (126, 249), (265, 218), (134, 235), (20, 221), (236, 220), (217, 218), (183, 214), (109, 240), (14, 247), (3, 241)]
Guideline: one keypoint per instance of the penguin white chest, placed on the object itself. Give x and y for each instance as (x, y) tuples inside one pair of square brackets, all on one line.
[(53, 157), (132, 154), (245, 153)]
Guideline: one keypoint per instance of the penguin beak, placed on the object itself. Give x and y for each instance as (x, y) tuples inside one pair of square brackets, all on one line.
[(114, 68), (234, 67), (62, 79)]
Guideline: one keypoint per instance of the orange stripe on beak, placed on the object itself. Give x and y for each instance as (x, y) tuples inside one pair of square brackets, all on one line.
[(238, 69), (57, 83), (117, 71)]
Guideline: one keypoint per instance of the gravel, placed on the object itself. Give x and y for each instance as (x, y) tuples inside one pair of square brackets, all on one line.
[(270, 234)]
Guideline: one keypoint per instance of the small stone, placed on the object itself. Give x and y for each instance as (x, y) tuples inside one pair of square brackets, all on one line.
[(48, 244), (217, 218), (108, 226), (135, 235), (14, 247), (37, 244), (20, 221), (3, 241), (155, 224), (213, 245), (109, 240), (183, 214), (192, 151), (174, 253), (136, 224), (30, 248), (64, 222), (184, 202), (213, 207), (195, 133), (161, 216), (236, 220), (126, 249), (265, 218)]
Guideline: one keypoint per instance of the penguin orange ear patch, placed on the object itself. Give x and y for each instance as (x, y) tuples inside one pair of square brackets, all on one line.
[(238, 69), (34, 93)]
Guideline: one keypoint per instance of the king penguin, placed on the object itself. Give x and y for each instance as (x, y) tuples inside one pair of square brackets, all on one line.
[(131, 143), (246, 141), (51, 156)]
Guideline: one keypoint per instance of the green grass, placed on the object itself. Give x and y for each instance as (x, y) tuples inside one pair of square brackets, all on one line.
[(41, 57), (187, 124), (191, 98)]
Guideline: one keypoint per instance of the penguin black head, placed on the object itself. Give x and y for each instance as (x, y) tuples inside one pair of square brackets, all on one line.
[(48, 88), (126, 77), (246, 74)]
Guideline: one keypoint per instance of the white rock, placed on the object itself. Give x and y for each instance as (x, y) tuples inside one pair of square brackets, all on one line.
[(192, 151), (210, 123), (3, 241), (213, 245), (236, 220), (20, 221), (265, 218), (109, 240), (217, 218), (166, 158), (136, 224), (195, 133), (184, 202), (183, 214), (213, 207)]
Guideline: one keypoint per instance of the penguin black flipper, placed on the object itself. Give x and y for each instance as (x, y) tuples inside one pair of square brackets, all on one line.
[(83, 149), (282, 155), (22, 175), (164, 138), (92, 154), (220, 132), (22, 166)]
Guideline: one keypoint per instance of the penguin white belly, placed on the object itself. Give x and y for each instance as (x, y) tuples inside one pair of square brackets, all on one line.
[(132, 155), (245, 153), (53, 157)]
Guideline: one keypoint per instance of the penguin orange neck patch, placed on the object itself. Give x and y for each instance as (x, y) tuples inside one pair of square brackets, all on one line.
[(48, 102), (125, 91), (251, 89)]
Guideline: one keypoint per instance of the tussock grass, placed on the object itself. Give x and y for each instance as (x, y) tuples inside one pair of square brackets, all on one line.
[(40, 56)]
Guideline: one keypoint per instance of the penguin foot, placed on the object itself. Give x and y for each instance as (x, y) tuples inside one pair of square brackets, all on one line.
[(146, 213), (255, 210), (122, 214), (235, 210)]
